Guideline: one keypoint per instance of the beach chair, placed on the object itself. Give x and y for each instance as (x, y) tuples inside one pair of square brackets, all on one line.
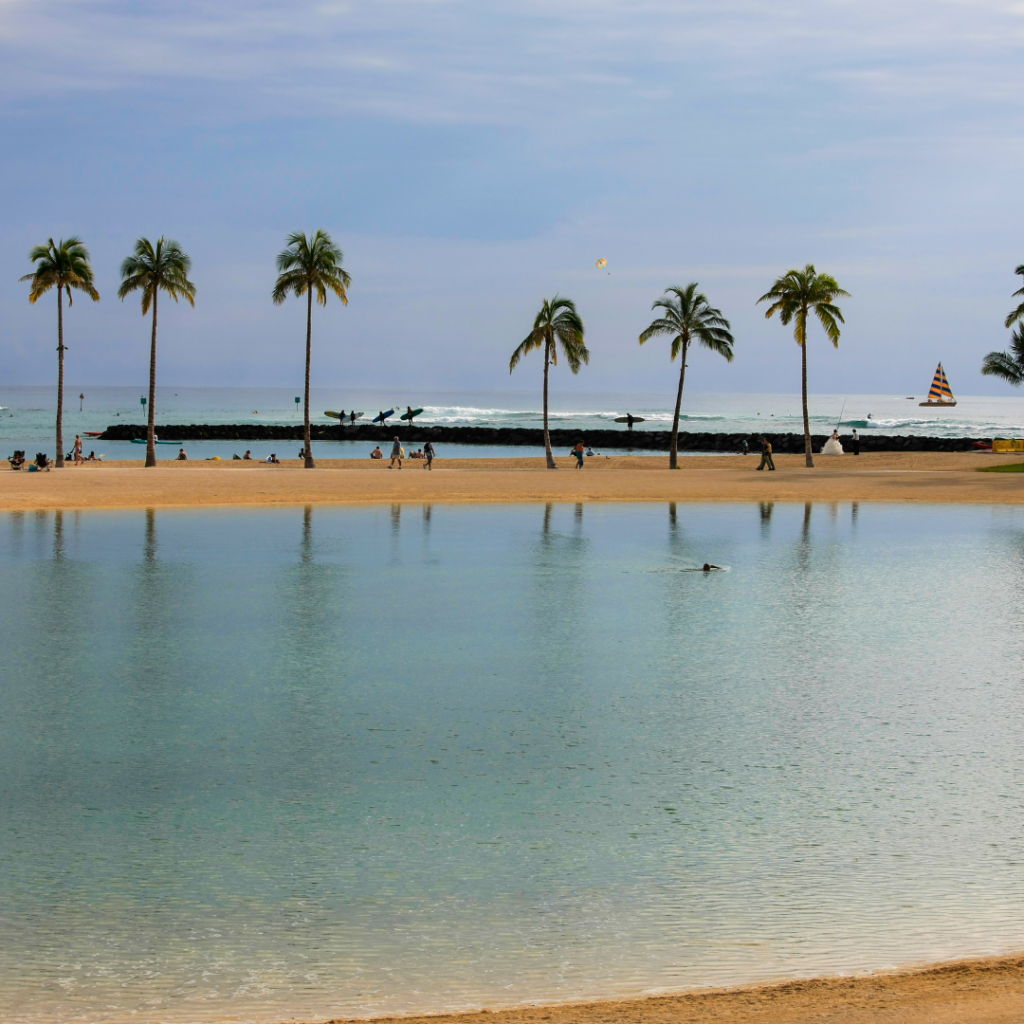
[(17, 460)]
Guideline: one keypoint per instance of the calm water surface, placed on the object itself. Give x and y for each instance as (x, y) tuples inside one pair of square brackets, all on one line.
[(273, 764)]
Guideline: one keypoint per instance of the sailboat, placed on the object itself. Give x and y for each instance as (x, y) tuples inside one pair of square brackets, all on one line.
[(939, 393)]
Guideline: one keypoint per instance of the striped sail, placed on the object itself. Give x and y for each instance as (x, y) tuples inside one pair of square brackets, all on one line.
[(940, 387)]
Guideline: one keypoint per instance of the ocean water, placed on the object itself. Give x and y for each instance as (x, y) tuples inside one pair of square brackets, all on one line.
[(26, 419), (270, 764)]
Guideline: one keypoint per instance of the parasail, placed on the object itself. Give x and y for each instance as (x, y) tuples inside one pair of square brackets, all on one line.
[(601, 263)]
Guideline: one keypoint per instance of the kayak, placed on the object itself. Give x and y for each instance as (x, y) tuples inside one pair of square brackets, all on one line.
[(142, 440)]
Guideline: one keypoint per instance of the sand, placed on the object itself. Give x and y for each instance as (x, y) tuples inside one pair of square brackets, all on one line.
[(989, 991), (918, 477)]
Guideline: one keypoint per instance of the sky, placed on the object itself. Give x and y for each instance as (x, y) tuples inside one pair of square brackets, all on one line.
[(472, 159)]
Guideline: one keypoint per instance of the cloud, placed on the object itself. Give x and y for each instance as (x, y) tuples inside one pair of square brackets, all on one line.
[(455, 61)]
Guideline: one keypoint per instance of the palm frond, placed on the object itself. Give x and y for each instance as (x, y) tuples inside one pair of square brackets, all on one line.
[(688, 315), (534, 340), (311, 262), (64, 264), (1004, 365)]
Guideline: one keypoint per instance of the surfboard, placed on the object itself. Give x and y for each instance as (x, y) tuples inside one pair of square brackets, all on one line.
[(625, 419), (384, 416), (142, 440), (409, 416)]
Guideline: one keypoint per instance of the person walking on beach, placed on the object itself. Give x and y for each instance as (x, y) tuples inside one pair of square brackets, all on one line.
[(78, 449), (579, 451), (396, 453), (855, 445), (428, 454), (766, 455)]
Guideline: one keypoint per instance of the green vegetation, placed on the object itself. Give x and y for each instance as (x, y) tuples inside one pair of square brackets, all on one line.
[(305, 266), (1013, 467), (793, 296), (556, 324), (1017, 314), (688, 317), (66, 265), (150, 270), (1009, 365)]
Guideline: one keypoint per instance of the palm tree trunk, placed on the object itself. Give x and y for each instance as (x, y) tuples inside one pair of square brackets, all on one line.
[(547, 434), (310, 464), (151, 423), (59, 461), (673, 451), (803, 379)]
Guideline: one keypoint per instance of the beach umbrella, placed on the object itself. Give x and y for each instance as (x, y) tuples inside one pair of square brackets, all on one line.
[(601, 263)]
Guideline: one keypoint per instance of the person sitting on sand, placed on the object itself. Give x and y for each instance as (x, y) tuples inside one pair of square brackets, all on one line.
[(396, 453), (92, 457), (274, 460), (377, 453), (708, 566), (182, 455), (590, 451), (247, 457)]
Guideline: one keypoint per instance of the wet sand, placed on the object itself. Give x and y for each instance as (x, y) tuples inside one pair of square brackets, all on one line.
[(905, 477), (989, 991)]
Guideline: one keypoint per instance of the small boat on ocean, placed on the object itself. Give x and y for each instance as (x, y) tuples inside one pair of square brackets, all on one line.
[(939, 393)]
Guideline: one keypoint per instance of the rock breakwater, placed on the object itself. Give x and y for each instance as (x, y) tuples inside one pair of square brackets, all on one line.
[(615, 440)]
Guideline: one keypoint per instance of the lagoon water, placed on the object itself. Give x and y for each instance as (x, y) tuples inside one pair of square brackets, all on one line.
[(294, 763)]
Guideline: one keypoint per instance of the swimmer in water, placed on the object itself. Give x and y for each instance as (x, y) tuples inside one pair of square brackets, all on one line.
[(708, 567)]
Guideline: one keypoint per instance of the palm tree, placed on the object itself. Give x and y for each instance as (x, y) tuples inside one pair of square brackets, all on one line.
[(66, 265), (150, 270), (794, 295), (688, 317), (307, 265), (1018, 313), (1008, 365), (556, 324)]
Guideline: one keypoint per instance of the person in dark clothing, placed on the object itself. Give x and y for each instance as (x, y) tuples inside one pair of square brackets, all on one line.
[(856, 442), (428, 454)]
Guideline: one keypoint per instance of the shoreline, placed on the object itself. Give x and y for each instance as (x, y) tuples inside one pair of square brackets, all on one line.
[(913, 477), (981, 990)]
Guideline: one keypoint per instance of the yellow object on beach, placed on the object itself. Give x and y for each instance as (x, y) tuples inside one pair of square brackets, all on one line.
[(601, 263), (1008, 445)]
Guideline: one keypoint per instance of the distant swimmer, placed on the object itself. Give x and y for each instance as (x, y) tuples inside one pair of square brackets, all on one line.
[(708, 567)]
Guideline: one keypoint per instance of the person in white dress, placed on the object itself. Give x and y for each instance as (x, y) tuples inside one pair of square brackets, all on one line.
[(832, 445)]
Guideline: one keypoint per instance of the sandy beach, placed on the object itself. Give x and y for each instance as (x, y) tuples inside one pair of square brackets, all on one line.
[(904, 477), (983, 991)]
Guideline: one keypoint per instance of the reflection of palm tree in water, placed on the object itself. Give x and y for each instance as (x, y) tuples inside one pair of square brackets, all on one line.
[(58, 536), (149, 541), (306, 547)]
